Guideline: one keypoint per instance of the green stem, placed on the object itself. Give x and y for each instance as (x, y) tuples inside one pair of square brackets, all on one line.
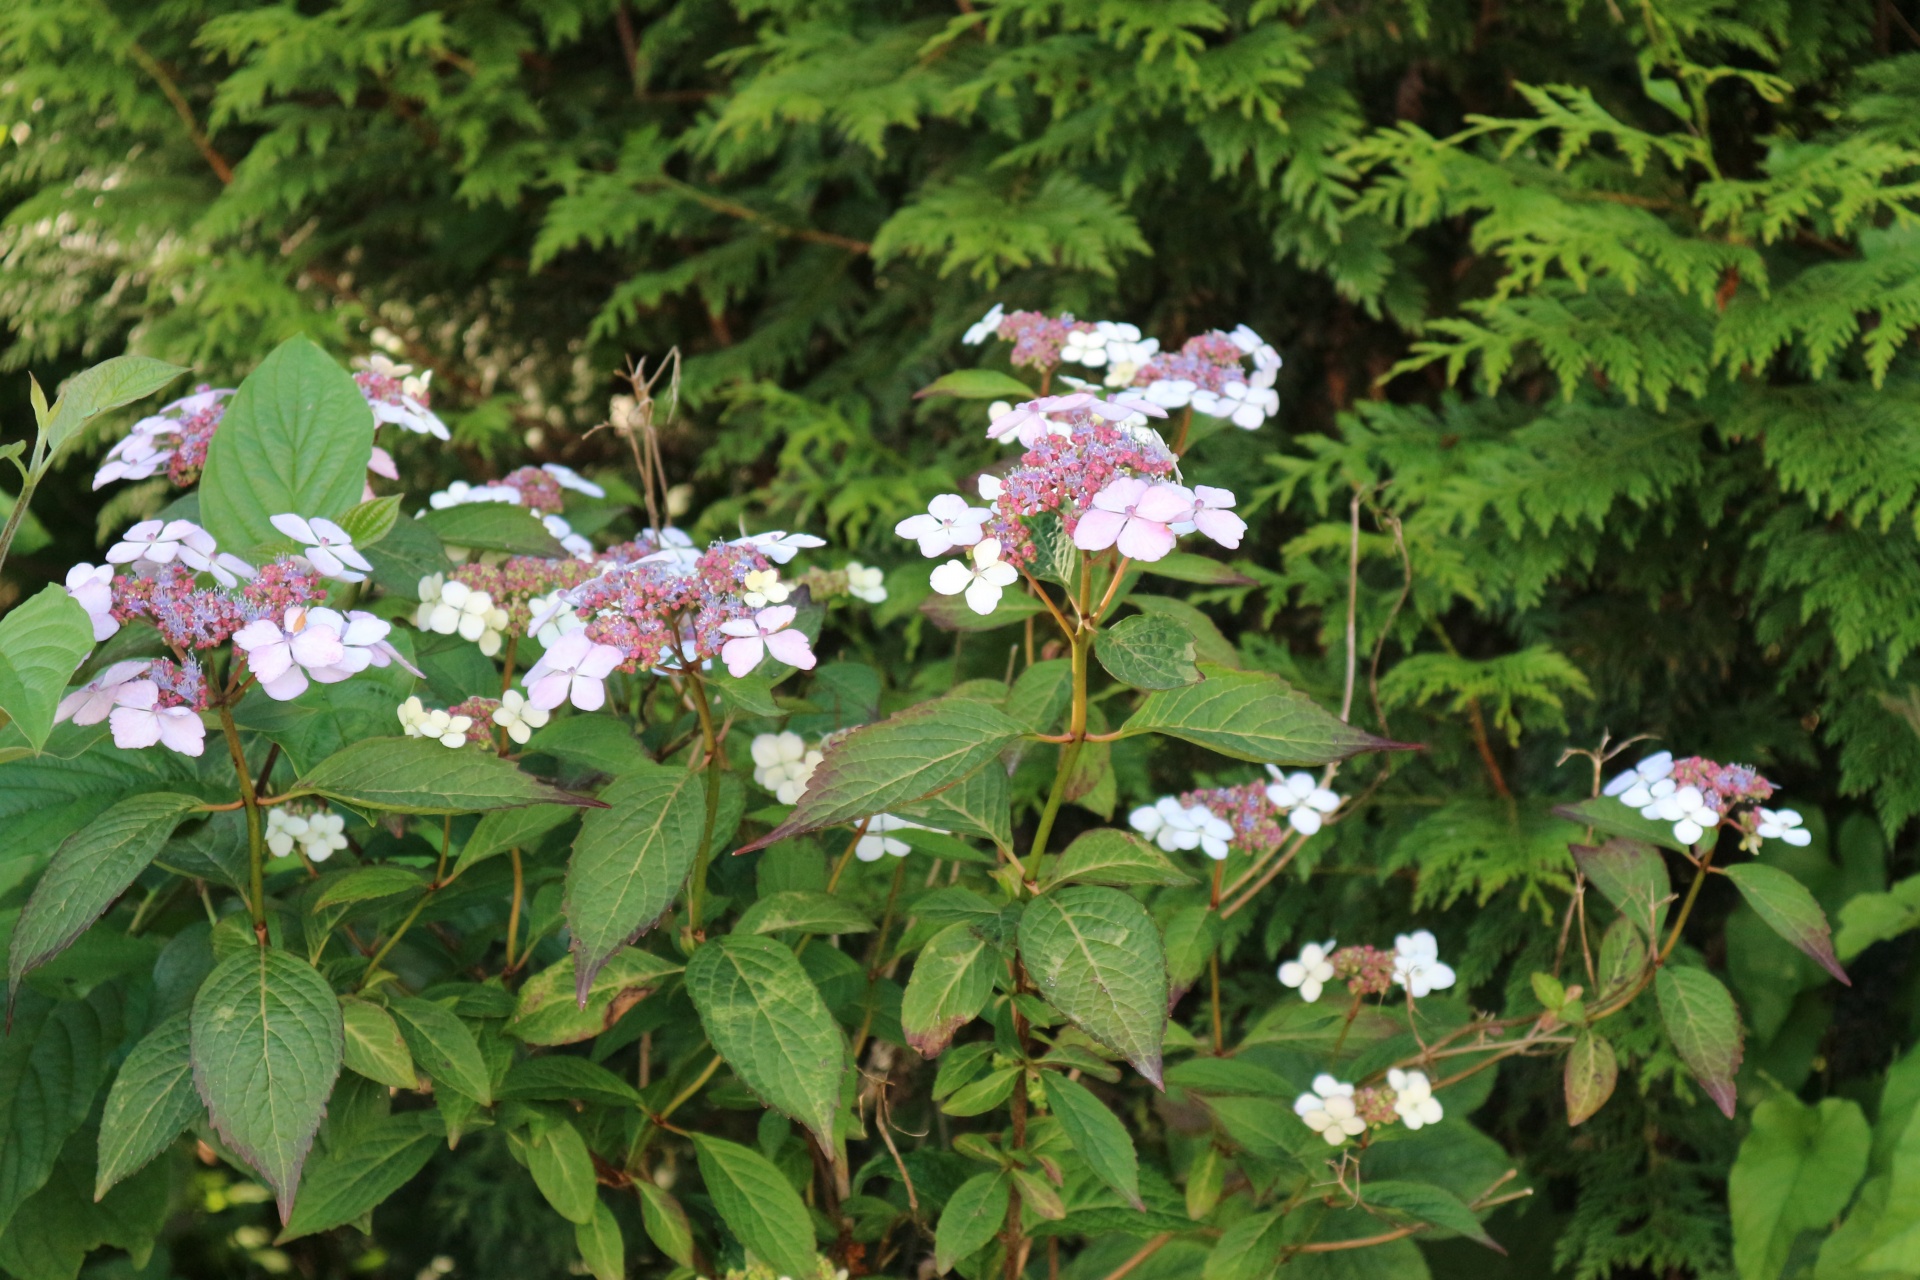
[(373, 961), (697, 886), (1069, 756), (1686, 908), (256, 843), (31, 482)]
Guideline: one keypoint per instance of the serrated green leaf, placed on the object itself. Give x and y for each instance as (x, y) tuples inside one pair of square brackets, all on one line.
[(53, 1061), (977, 1097), (1633, 876), (952, 981), (953, 613), (1608, 816), (89, 870), (974, 1214), (374, 1046), (443, 1046), (1248, 1249), (418, 775), (1704, 1026), (549, 1011), (804, 910), (41, 643), (1184, 566), (1041, 695), (560, 1077), (601, 1246), (665, 1222), (1795, 1172), (765, 1017), (370, 521), (1097, 1134), (562, 1168), (1208, 642), (1095, 954), (267, 1046), (1590, 1075), (494, 526), (1148, 652), (1252, 716), (1789, 910), (408, 553), (152, 1101), (296, 437), (1429, 1205), (365, 884), (920, 751), (630, 860), (750, 695), (977, 384), (979, 805), (504, 829), (599, 742), (1107, 855), (757, 1203), (107, 385), (346, 1181)]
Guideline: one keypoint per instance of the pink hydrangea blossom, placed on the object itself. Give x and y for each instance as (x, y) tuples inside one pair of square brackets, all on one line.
[(1133, 516), (92, 587), (574, 669), (948, 523), (766, 632), (304, 642), (90, 703), (140, 719)]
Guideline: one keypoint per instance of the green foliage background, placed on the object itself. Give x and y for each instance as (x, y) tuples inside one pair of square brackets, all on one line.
[(1604, 310)]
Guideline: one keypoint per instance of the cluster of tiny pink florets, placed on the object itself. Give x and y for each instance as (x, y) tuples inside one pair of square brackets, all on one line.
[(539, 491), (1037, 337), (1368, 970), (1259, 825), (1209, 361), (1062, 473), (517, 580), (668, 612), (192, 617)]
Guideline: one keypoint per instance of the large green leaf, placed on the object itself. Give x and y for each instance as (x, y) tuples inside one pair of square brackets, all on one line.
[(952, 981), (974, 1213), (766, 1018), (665, 1222), (600, 1243), (418, 775), (345, 1181), (52, 1063), (41, 642), (296, 437), (89, 870), (922, 750), (1796, 1171), (494, 526), (1097, 1134), (757, 1203), (151, 1101), (1095, 954), (1609, 816), (630, 860), (1789, 910), (1705, 1028), (1590, 1074), (1633, 876), (977, 384), (1249, 1249), (504, 829), (1107, 855), (805, 910), (562, 1168), (52, 1233), (1428, 1205), (549, 1011), (1252, 716), (444, 1047), (107, 385), (374, 1046), (1148, 652), (267, 1045)]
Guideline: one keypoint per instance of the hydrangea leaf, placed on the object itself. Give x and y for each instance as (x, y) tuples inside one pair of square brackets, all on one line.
[(952, 981), (41, 643), (1095, 954), (757, 1203), (1253, 716), (629, 862), (1784, 903), (419, 775), (151, 1102), (1704, 1026), (1148, 652)]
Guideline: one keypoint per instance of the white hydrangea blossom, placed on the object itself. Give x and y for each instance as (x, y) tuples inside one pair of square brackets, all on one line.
[(866, 583), (450, 608), (877, 842), (419, 722), (1329, 1110), (783, 764), (1413, 1099), (1301, 797), (318, 835), (518, 716), (1311, 971), (1417, 966)]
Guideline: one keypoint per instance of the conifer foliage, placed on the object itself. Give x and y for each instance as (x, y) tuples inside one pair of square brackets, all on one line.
[(1071, 638)]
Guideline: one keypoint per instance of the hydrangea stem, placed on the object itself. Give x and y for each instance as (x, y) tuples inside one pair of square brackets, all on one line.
[(697, 886), (256, 844)]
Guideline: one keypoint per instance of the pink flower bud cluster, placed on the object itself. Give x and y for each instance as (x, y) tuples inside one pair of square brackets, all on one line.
[(480, 712), (1368, 970), (675, 605), (1209, 361), (1722, 786), (1037, 337), (515, 581), (1063, 473), (1259, 825), (539, 491), (1374, 1104), (191, 617)]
